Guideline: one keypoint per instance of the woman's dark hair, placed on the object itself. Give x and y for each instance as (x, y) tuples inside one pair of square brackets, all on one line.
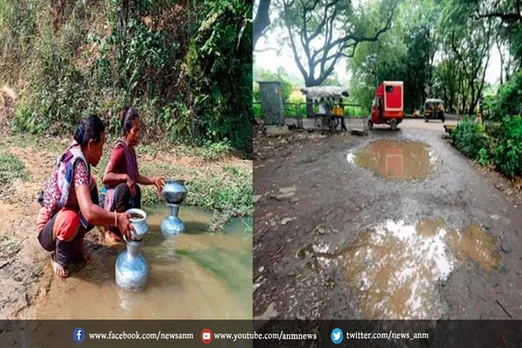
[(90, 128), (127, 115)]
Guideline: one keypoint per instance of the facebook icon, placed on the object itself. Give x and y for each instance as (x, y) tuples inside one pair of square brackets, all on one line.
[(78, 335)]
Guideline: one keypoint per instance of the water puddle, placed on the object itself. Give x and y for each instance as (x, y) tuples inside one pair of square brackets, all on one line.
[(395, 268), (406, 160), (195, 276)]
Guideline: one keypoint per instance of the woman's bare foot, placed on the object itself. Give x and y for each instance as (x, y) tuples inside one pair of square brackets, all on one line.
[(112, 238), (59, 270)]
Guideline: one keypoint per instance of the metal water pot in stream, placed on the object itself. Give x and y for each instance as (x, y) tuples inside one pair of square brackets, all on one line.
[(174, 193), (131, 268)]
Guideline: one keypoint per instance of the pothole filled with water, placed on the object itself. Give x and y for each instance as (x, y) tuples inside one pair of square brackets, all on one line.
[(196, 275), (396, 267), (393, 159)]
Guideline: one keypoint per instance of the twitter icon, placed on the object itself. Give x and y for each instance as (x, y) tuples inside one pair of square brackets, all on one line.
[(337, 336)]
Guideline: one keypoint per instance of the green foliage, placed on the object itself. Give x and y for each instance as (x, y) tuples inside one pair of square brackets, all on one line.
[(311, 29), (219, 71), (404, 53), (354, 112), (11, 168), (232, 191), (187, 68), (258, 110), (17, 27), (149, 197), (281, 76), (508, 152), (209, 151), (509, 97), (56, 86), (256, 94), (483, 157), (469, 138), (227, 193)]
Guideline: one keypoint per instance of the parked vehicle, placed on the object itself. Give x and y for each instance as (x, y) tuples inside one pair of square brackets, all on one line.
[(387, 106), (434, 110)]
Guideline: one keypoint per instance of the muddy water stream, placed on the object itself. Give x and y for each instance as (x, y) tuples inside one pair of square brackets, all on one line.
[(197, 275), (405, 160), (396, 267)]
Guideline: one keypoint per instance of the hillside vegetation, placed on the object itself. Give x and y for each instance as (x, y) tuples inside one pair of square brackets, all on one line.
[(185, 64)]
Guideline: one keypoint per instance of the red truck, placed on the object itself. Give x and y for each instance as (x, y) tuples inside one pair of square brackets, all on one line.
[(388, 104)]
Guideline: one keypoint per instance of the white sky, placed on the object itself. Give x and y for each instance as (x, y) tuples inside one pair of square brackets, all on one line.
[(269, 60)]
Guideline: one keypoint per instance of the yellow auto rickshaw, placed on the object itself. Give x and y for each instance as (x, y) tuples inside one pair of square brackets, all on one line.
[(434, 110)]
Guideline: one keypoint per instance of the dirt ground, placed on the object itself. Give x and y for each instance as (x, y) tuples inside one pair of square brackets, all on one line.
[(25, 270), (306, 191)]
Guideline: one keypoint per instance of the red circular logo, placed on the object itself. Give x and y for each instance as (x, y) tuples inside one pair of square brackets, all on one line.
[(206, 336)]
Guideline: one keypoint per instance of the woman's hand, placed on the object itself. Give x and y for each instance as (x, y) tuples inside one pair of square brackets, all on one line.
[(125, 226), (132, 186), (159, 183)]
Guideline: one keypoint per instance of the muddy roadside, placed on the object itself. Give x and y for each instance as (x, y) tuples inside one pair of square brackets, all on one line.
[(25, 270), (307, 193)]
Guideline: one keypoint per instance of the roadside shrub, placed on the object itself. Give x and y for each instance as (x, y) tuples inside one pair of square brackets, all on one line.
[(509, 97), (508, 152), (469, 138), (483, 157)]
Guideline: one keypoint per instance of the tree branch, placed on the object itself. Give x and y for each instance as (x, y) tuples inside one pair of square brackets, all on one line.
[(507, 17), (260, 50), (323, 22), (294, 48), (328, 38), (504, 16), (363, 38), (460, 58)]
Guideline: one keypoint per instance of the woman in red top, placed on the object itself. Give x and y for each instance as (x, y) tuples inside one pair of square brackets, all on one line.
[(122, 176), (70, 199)]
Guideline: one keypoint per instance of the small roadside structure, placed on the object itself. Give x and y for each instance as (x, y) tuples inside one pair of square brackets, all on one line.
[(272, 103)]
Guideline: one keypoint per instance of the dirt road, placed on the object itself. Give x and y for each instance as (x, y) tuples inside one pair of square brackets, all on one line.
[(404, 228)]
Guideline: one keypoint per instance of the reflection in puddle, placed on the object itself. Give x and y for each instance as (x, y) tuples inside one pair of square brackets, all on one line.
[(396, 159), (395, 267), (194, 276)]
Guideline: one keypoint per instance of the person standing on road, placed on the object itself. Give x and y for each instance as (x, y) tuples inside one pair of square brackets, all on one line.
[(341, 105), (323, 107)]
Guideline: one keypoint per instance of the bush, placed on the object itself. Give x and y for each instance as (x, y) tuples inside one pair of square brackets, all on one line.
[(483, 157), (231, 192), (508, 152), (258, 110), (469, 138), (509, 97), (187, 68)]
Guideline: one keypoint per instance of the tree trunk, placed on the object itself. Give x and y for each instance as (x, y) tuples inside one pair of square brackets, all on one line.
[(261, 22), (501, 61), (473, 101)]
